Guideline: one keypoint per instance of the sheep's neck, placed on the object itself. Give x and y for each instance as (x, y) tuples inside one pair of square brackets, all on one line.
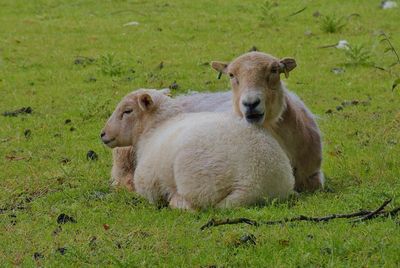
[(298, 134), (164, 112)]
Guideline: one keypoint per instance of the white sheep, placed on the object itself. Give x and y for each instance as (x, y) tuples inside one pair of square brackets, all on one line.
[(124, 159), (197, 160)]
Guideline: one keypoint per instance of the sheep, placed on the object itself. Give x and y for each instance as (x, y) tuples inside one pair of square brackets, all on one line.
[(282, 112), (197, 160), (262, 98), (124, 160)]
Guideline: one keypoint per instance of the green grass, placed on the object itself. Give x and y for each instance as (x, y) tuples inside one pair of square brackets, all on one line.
[(40, 42)]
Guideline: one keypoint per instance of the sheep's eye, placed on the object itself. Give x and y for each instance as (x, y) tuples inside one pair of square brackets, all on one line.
[(231, 75), (274, 70), (127, 111)]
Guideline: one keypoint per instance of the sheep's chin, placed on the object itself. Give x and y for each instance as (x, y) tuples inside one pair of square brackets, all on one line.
[(111, 143), (255, 118)]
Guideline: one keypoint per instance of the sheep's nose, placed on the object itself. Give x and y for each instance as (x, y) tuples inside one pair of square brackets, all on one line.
[(102, 134), (251, 105)]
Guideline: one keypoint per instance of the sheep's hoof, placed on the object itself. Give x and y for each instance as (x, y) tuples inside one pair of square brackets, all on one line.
[(177, 201), (126, 182)]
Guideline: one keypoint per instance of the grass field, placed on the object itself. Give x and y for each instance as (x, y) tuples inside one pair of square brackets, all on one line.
[(72, 61)]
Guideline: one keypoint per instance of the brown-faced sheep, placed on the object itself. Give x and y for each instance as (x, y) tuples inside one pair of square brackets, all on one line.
[(261, 98)]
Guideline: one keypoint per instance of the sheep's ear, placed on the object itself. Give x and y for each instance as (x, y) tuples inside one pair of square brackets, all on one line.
[(220, 67), (166, 91), (145, 102), (286, 65)]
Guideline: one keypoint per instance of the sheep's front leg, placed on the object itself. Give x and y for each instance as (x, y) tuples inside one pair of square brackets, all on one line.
[(177, 201), (124, 163), (309, 183), (237, 198)]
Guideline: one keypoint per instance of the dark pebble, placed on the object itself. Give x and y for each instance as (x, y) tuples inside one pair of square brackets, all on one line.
[(91, 155), (37, 256), (64, 218), (174, 85), (62, 251)]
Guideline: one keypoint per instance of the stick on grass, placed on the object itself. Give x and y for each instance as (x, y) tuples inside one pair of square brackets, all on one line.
[(362, 214)]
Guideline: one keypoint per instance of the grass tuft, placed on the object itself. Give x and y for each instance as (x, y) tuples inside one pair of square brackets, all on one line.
[(332, 24)]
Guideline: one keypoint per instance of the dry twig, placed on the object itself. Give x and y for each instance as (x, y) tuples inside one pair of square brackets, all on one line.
[(362, 216)]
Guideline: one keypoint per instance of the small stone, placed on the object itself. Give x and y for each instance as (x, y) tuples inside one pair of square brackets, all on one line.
[(343, 44), (64, 218), (174, 85), (62, 251), (37, 256), (132, 23), (388, 4), (337, 70), (91, 155)]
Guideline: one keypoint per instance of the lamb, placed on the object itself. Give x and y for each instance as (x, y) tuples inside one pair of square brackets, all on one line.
[(197, 160), (124, 159), (261, 98)]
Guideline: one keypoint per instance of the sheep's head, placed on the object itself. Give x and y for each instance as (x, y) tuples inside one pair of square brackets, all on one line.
[(257, 90), (131, 117)]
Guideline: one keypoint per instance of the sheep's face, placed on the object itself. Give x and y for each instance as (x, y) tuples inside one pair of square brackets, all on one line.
[(129, 119), (255, 80)]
